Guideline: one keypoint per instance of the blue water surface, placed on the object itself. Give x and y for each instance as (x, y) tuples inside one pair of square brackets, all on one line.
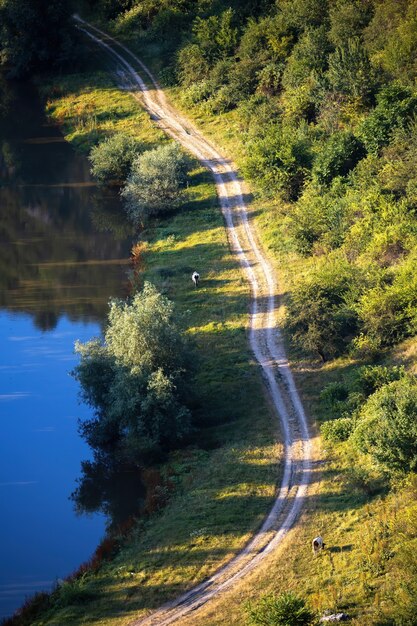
[(40, 451)]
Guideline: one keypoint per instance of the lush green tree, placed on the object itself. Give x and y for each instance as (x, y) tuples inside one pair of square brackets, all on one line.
[(111, 160), (280, 159), (348, 19), (155, 183), (391, 39), (350, 71), (35, 34), (389, 310), (398, 173), (309, 55), (320, 315), (135, 379), (396, 105), (321, 218), (387, 428), (192, 65), (286, 609), (337, 156), (303, 14)]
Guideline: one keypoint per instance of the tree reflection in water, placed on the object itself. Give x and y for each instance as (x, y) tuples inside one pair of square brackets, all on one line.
[(65, 244), (112, 488)]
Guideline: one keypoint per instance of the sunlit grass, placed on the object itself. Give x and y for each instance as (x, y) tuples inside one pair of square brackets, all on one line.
[(224, 485), (359, 520)]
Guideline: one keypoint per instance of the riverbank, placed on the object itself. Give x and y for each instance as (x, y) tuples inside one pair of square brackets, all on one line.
[(342, 511), (351, 505), (221, 490)]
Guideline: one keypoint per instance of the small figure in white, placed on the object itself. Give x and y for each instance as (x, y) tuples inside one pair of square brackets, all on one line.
[(195, 278), (317, 544)]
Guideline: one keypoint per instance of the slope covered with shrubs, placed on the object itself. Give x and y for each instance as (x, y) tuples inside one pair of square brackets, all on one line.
[(319, 101)]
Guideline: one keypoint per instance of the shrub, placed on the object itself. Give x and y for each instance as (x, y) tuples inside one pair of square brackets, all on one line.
[(350, 71), (321, 216), (280, 160), (269, 79), (395, 107), (308, 55), (392, 39), (389, 312), (155, 183), (287, 609), (334, 393), (338, 430), (337, 156), (319, 316), (387, 427), (373, 377), (348, 19), (112, 158), (192, 65)]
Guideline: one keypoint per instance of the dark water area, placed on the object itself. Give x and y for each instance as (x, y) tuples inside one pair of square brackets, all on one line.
[(64, 251)]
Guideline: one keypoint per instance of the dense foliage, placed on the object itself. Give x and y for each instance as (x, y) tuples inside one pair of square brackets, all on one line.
[(112, 158), (387, 426), (324, 94), (135, 379), (35, 34), (287, 609), (155, 182)]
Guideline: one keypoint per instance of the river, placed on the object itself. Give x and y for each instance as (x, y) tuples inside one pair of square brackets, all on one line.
[(63, 253)]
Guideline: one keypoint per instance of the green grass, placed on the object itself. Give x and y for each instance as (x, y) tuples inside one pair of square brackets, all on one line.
[(222, 487), (362, 570), (224, 490)]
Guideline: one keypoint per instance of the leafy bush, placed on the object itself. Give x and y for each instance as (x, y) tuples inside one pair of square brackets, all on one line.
[(319, 316), (112, 158), (337, 156), (387, 427), (280, 160), (333, 393), (192, 65), (308, 55), (197, 92), (389, 311), (321, 217), (348, 18), (391, 38), (338, 429), (287, 609), (373, 377), (395, 107), (399, 164), (155, 183), (350, 71)]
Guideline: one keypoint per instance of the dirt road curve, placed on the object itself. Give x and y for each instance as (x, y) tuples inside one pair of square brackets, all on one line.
[(265, 339)]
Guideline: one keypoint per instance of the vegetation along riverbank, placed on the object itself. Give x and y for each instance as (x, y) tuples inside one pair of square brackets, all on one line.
[(316, 103)]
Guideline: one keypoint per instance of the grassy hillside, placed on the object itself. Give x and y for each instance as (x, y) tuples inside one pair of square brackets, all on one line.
[(210, 497), (316, 102)]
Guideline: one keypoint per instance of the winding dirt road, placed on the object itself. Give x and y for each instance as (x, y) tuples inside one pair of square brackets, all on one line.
[(264, 336)]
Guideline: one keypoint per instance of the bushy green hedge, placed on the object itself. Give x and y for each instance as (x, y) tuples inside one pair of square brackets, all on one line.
[(155, 183), (112, 158)]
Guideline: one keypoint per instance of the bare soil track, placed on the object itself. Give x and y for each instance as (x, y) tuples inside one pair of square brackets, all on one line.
[(264, 336)]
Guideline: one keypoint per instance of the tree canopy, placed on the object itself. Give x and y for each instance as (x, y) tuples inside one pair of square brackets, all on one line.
[(136, 379), (35, 34)]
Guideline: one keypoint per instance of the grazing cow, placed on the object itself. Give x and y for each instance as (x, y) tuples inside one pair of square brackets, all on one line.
[(317, 544), (195, 278)]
